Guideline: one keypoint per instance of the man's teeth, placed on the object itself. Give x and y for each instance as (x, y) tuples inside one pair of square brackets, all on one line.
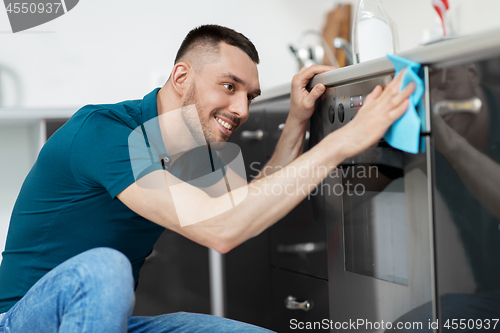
[(223, 123)]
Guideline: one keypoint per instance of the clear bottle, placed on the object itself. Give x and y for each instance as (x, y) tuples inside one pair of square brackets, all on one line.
[(374, 34)]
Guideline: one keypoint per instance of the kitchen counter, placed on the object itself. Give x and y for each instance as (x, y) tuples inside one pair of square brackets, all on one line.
[(20, 115), (446, 53)]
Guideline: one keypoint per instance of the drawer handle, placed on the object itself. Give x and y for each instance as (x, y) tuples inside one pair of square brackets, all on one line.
[(292, 304), (302, 248), (252, 135)]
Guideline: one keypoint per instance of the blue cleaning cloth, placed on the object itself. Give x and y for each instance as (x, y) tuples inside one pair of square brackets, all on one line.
[(404, 134)]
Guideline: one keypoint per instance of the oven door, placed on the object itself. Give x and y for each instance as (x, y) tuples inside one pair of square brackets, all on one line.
[(465, 104), (378, 227)]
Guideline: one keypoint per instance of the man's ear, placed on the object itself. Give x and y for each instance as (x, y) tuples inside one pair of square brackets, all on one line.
[(180, 77)]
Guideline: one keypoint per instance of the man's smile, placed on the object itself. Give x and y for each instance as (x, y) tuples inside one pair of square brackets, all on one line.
[(225, 125)]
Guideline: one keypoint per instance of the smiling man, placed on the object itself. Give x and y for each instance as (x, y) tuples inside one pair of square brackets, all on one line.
[(85, 220)]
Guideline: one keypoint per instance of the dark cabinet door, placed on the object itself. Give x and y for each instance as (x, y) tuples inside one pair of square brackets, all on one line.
[(298, 241), (248, 282), (174, 278), (276, 114), (252, 138), (247, 267)]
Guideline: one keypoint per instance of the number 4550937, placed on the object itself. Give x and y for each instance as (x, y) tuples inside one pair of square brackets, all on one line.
[(25, 7), (471, 324)]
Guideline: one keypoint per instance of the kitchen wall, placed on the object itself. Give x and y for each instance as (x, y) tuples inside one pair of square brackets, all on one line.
[(107, 51), (466, 17)]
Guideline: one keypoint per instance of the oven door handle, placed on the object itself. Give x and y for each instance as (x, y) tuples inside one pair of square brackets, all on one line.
[(301, 248), (292, 304), (252, 135)]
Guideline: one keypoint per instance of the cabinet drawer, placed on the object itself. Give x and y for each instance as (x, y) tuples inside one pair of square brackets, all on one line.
[(294, 290), (298, 241)]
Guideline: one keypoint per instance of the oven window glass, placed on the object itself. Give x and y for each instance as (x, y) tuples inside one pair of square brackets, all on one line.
[(465, 119), (375, 222)]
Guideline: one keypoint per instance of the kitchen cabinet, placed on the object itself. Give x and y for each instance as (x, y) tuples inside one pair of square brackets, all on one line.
[(247, 268), (175, 277), (298, 245), (250, 268)]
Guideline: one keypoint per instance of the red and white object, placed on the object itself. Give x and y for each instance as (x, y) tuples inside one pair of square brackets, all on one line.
[(441, 6)]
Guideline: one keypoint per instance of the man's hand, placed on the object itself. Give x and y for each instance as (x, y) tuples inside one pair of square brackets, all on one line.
[(382, 108), (289, 146), (302, 101)]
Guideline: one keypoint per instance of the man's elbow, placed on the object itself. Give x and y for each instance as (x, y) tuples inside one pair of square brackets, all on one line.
[(223, 245), (222, 249), (226, 240)]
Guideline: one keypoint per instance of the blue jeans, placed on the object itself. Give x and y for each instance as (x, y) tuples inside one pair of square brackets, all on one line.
[(93, 292)]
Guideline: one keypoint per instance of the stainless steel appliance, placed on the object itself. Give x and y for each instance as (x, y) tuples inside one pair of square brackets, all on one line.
[(378, 223)]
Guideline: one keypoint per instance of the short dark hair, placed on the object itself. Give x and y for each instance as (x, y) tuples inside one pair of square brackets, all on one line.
[(212, 35)]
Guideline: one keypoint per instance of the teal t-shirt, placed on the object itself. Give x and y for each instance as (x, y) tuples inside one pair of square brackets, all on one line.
[(68, 203)]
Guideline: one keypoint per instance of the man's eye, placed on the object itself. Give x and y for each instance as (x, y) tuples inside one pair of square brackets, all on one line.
[(250, 98), (229, 87)]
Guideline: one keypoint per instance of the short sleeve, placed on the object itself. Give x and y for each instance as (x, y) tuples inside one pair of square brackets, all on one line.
[(101, 153)]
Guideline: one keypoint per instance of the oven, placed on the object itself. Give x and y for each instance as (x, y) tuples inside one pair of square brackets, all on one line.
[(378, 222)]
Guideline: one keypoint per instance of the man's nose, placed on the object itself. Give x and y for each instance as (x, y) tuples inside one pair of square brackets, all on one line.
[(239, 107)]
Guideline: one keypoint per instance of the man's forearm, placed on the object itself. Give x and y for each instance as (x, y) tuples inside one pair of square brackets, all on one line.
[(272, 197), (214, 221)]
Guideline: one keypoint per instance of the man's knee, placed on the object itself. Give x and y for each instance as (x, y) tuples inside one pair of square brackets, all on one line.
[(106, 264), (106, 273), (105, 257), (98, 281)]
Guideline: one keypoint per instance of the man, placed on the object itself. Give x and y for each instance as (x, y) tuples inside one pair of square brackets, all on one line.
[(85, 213)]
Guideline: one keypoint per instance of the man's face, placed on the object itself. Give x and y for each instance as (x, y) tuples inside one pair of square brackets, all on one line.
[(222, 92)]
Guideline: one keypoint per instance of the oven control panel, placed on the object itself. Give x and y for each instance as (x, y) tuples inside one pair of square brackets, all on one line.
[(340, 104)]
